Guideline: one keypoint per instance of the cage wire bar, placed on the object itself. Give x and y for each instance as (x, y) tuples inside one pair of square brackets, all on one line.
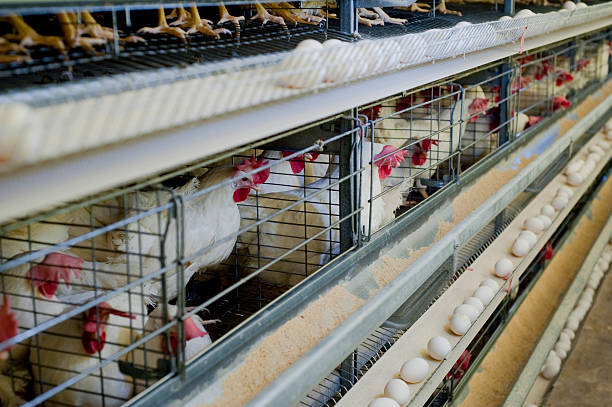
[(118, 292)]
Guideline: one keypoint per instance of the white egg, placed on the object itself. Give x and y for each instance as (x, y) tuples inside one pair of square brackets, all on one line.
[(463, 24), (383, 402), (589, 291), (594, 157), (562, 346), (559, 202), (574, 166), (337, 57), (530, 236), (484, 294), (548, 210), (589, 166), (503, 267), (564, 337), (596, 149), (569, 333), (492, 284), (564, 189), (303, 68), (533, 224), (415, 370), (553, 358), (607, 256), (569, 5), (469, 310), (575, 178), (474, 302), (584, 302), (524, 13), (398, 390), (581, 5), (505, 18), (561, 353), (572, 323), (546, 221), (520, 247), (550, 371), (460, 324), (603, 144), (438, 347)]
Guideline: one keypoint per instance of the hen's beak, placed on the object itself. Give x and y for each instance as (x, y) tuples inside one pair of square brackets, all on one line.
[(308, 156)]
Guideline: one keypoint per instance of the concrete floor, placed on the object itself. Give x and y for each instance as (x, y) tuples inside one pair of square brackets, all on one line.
[(586, 378)]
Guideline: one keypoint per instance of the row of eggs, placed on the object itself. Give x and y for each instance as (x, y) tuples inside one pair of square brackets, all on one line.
[(415, 370), (552, 366), (312, 63)]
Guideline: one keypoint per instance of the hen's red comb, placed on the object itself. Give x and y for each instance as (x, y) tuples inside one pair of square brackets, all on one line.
[(55, 266), (582, 63), (561, 102), (252, 164), (8, 322), (386, 162), (563, 77)]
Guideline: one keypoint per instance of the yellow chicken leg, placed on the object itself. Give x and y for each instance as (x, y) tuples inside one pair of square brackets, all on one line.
[(28, 37), (176, 14), (202, 26), (264, 16), (183, 17), (72, 34), (163, 27), (387, 18), (225, 17), (442, 9), (416, 8)]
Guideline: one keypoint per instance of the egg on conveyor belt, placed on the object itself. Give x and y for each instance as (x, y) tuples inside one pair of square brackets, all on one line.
[(572, 323), (597, 150), (559, 202), (415, 370), (337, 61), (484, 294), (524, 13), (533, 224), (383, 402), (569, 333), (503, 268), (548, 210), (469, 310), (505, 18), (550, 371), (565, 191), (581, 5), (520, 247), (474, 302), (398, 390), (569, 5), (574, 166), (553, 358), (492, 284), (546, 221), (561, 353), (303, 67), (460, 324), (530, 236), (575, 178), (438, 347)]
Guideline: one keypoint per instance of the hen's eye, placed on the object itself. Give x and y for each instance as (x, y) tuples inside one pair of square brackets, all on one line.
[(245, 179)]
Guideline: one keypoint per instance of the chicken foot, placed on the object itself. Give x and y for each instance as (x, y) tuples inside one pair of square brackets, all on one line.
[(9, 58), (226, 17), (264, 16), (163, 27), (72, 33), (302, 14), (28, 37), (7, 46), (287, 15), (442, 9), (416, 8), (387, 18), (368, 18), (203, 26), (180, 14)]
